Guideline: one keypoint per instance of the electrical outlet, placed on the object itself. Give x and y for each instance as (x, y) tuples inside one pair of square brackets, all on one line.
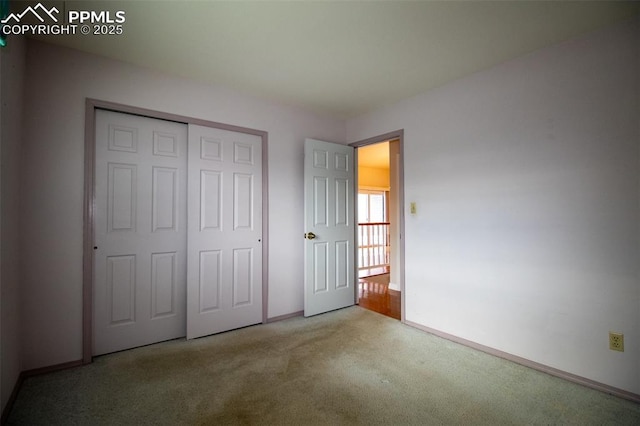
[(616, 341)]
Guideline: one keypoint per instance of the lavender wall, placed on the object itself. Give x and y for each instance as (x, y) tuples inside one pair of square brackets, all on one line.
[(57, 82), (12, 60), (526, 178)]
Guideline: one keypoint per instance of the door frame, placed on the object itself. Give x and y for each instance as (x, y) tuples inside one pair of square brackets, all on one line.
[(91, 105), (395, 135)]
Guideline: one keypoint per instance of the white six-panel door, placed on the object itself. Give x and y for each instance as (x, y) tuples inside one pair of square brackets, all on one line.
[(178, 209), (140, 231), (224, 273), (329, 281)]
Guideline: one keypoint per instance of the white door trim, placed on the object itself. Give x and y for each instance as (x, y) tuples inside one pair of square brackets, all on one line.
[(395, 135), (89, 203)]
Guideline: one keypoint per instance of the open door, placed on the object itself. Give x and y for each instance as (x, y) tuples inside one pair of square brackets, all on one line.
[(329, 246)]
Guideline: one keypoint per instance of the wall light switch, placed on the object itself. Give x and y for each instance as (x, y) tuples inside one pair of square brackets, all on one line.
[(412, 208)]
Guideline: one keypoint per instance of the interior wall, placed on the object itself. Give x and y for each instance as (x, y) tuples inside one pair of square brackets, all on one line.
[(372, 177), (2, 397), (57, 82), (527, 183), (12, 58)]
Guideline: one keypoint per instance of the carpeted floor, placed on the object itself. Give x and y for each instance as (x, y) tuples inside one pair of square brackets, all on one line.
[(350, 366)]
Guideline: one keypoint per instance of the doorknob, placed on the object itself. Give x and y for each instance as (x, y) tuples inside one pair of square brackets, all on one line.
[(309, 235)]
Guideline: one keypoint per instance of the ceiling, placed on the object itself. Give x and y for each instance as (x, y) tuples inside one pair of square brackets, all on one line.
[(341, 58), (375, 156)]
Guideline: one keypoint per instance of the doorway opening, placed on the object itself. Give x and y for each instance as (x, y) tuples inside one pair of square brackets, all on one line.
[(379, 205)]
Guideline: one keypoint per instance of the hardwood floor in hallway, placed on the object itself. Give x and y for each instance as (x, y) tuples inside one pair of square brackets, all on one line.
[(375, 295)]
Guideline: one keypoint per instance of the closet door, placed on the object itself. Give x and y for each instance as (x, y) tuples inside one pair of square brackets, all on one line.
[(224, 273), (140, 231)]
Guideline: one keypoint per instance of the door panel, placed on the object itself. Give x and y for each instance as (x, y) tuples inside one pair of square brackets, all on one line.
[(122, 185), (163, 284), (329, 212), (165, 199), (121, 282), (224, 273), (140, 231)]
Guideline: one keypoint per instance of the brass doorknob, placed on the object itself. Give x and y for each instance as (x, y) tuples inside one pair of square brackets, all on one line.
[(309, 235)]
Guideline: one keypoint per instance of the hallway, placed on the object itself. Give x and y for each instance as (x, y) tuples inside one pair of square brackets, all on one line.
[(374, 294)]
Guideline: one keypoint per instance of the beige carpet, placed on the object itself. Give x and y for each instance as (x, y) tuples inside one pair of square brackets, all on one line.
[(351, 366)]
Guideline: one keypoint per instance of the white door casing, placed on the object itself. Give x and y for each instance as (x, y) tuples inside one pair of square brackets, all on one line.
[(329, 188), (224, 271), (139, 294)]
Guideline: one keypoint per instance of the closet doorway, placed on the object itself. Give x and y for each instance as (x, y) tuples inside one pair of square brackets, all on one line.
[(175, 224)]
